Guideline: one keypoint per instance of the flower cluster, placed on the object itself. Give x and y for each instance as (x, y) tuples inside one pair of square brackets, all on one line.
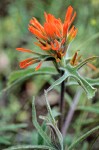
[(53, 37)]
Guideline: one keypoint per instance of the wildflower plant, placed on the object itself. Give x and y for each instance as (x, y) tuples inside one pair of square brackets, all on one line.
[(54, 38)]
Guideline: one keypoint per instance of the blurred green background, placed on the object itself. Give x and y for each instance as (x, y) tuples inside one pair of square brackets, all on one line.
[(15, 104)]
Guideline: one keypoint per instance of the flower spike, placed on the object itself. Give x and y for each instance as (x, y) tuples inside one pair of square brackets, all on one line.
[(53, 37)]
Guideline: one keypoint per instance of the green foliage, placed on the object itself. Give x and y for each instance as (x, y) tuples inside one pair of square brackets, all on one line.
[(24, 74), (56, 141), (14, 20), (83, 137), (70, 71), (39, 129), (22, 147), (53, 144), (12, 127), (5, 139)]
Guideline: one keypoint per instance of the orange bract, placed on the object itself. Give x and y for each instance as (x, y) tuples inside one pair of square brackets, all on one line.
[(75, 59), (54, 36), (27, 62)]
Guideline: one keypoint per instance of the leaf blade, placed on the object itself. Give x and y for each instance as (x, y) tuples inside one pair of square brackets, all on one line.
[(83, 137), (30, 147)]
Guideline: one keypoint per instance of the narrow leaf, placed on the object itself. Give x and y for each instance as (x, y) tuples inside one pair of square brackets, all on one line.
[(53, 124), (4, 140), (21, 75), (49, 109), (58, 133), (37, 126), (85, 61), (83, 137), (90, 91), (59, 81), (30, 72), (12, 127), (34, 147), (40, 139), (72, 72), (94, 82), (89, 109)]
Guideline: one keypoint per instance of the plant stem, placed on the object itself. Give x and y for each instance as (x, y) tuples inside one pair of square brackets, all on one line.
[(61, 103), (71, 112)]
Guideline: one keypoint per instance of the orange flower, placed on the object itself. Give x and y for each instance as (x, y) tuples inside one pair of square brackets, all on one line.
[(53, 37)]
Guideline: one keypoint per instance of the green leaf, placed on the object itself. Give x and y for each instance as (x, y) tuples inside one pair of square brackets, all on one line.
[(90, 91), (89, 109), (53, 125), (94, 82), (38, 127), (13, 127), (23, 74), (89, 121), (86, 61), (34, 147), (58, 134), (55, 112), (83, 137), (72, 72), (4, 140), (49, 109), (40, 139), (59, 81)]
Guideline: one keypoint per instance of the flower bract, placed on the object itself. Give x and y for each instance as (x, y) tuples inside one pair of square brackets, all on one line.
[(53, 37)]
